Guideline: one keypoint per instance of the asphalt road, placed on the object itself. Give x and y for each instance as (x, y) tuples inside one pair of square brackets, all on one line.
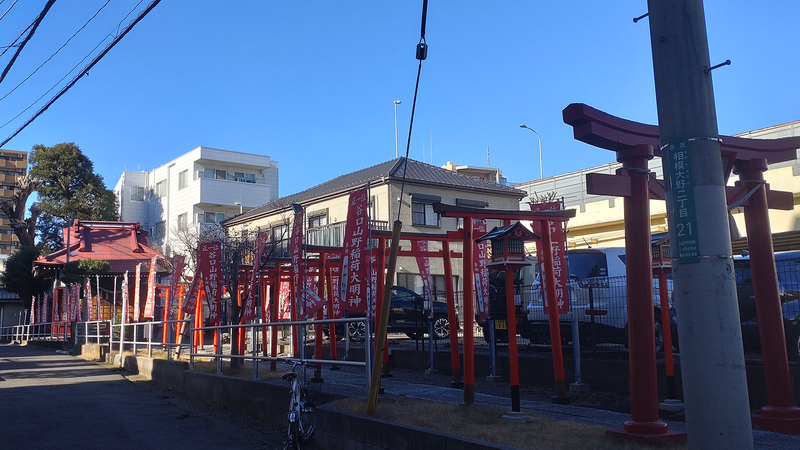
[(54, 401)]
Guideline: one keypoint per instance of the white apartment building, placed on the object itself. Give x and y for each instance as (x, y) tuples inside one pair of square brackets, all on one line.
[(200, 188)]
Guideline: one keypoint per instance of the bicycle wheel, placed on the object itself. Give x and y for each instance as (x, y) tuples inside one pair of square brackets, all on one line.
[(293, 443), (306, 419)]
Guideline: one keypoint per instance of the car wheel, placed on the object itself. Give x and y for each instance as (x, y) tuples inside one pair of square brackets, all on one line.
[(441, 328), (356, 331), (793, 345)]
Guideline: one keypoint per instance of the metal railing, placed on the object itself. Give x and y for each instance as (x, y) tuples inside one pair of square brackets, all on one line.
[(49, 331)]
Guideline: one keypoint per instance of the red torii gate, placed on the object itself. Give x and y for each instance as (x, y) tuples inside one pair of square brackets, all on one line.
[(465, 234), (635, 143)]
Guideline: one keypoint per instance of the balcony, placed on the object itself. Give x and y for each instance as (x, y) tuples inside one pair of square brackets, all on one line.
[(331, 235)]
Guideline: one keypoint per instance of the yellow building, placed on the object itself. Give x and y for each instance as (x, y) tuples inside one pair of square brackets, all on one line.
[(13, 165)]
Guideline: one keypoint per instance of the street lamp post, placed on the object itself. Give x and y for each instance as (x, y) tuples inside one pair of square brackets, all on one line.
[(396, 102), (239, 204), (541, 173)]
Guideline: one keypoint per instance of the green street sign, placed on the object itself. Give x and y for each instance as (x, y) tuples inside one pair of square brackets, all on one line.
[(678, 166)]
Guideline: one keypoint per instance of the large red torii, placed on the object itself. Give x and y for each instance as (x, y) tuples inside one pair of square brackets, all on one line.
[(635, 143)]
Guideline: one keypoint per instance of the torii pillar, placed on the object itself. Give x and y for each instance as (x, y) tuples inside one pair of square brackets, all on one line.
[(751, 157)]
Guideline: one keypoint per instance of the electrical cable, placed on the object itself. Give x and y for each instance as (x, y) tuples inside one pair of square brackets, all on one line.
[(71, 70), (422, 53), (56, 52), (9, 8), (85, 70), (13, 43), (27, 38)]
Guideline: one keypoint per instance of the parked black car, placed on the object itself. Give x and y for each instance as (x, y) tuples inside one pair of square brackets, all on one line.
[(408, 315), (787, 265)]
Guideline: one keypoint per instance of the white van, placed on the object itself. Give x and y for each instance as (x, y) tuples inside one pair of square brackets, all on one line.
[(598, 299)]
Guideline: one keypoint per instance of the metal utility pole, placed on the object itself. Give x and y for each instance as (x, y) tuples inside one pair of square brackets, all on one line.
[(712, 359)]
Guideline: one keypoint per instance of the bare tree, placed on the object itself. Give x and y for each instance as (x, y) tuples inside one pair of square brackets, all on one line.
[(14, 209)]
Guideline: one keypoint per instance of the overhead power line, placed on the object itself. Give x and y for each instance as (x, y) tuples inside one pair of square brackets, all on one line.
[(55, 53), (9, 9), (86, 69), (27, 38)]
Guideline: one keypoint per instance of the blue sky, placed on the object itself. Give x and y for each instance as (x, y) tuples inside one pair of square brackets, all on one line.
[(311, 83)]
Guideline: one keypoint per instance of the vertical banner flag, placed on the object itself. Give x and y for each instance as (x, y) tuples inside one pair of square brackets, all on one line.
[(33, 310), (56, 307), (558, 239), (336, 291), (42, 306), (190, 300), (90, 316), (480, 268), (149, 305), (210, 265), (423, 263), (250, 305), (313, 302), (65, 304), (354, 259), (125, 297), (47, 298), (178, 261), (76, 303), (137, 287), (285, 301), (296, 249)]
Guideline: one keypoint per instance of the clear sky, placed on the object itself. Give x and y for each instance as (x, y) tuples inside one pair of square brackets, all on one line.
[(312, 83)]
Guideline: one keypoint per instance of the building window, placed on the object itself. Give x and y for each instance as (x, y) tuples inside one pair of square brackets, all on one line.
[(158, 231), (280, 239), (183, 179), (161, 189), (137, 194), (213, 217), (407, 280), (182, 220), (373, 207), (208, 173), (318, 220), (423, 214), (220, 175)]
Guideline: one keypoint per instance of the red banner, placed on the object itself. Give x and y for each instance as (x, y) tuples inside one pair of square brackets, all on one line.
[(33, 310), (209, 260), (76, 302), (137, 288), (296, 249), (190, 300), (354, 261), (178, 261), (336, 291), (149, 305), (424, 265), (284, 301), (480, 268), (90, 316), (125, 297), (558, 240), (250, 308), (313, 302)]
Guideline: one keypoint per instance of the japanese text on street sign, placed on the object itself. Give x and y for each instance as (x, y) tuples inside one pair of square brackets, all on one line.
[(679, 168), (558, 240)]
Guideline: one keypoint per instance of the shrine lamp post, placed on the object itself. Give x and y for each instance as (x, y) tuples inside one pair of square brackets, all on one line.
[(541, 173)]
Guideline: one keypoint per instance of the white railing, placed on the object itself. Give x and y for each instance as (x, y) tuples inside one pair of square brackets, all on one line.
[(49, 331), (98, 331), (258, 354), (145, 335)]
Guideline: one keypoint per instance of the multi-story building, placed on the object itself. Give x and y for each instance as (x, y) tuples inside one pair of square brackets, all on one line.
[(13, 165), (198, 189), (326, 205)]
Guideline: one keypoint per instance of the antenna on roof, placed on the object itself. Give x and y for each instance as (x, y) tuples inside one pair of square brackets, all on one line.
[(487, 157)]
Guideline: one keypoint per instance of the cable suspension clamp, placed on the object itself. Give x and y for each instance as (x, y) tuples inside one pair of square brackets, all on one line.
[(708, 70)]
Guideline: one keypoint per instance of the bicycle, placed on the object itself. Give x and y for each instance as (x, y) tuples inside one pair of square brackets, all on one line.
[(301, 411)]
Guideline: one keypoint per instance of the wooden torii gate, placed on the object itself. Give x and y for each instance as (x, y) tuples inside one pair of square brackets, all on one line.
[(636, 143)]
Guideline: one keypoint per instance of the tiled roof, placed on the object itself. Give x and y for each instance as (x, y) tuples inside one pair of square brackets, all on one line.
[(417, 172), (122, 244)]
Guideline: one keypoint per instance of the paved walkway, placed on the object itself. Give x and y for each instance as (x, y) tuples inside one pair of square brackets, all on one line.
[(55, 401)]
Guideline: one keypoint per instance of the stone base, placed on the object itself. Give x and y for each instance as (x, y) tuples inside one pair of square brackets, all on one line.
[(577, 388), (669, 436), (790, 425), (515, 416), (671, 404)]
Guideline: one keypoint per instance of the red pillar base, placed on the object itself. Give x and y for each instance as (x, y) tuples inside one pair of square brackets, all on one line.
[(784, 420), (646, 432)]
